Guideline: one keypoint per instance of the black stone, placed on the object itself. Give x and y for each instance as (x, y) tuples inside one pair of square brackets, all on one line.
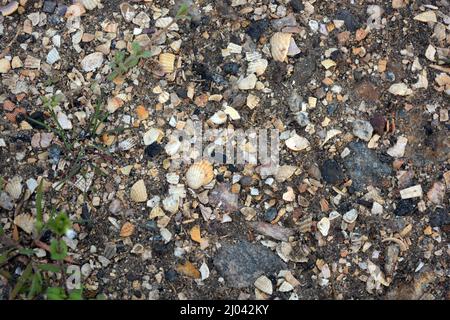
[(351, 21), (440, 218), (270, 214), (405, 207), (231, 68), (37, 116), (257, 28), (153, 150), (170, 275), (332, 172), (297, 5), (304, 69), (49, 6)]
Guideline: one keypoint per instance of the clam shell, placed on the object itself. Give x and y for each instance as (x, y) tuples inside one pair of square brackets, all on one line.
[(126, 230), (264, 284), (32, 63), (138, 192), (14, 187), (199, 174), (127, 144), (297, 143), (90, 4), (324, 226), (171, 204), (167, 60), (257, 66), (279, 43), (172, 146)]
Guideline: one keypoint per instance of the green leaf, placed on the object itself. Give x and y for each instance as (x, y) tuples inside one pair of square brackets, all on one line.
[(21, 281), (36, 285), (49, 267), (58, 249), (56, 293), (131, 62), (76, 294), (146, 54), (183, 10), (59, 224), (136, 47), (26, 251)]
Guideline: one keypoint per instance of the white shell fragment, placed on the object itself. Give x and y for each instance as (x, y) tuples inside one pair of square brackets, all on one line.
[(53, 56), (350, 216), (92, 61), (257, 66), (247, 83), (297, 143), (398, 150), (153, 135), (400, 89), (412, 192), (138, 192), (427, 16), (264, 284), (324, 226), (14, 187)]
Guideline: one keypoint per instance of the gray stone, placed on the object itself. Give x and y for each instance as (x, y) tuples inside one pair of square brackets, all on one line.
[(364, 167), (362, 129), (242, 263)]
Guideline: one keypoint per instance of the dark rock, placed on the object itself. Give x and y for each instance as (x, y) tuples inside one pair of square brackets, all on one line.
[(297, 5), (405, 207), (378, 123), (61, 10), (351, 21), (49, 6), (170, 275), (332, 172), (257, 28), (270, 214), (37, 116), (440, 218), (242, 263), (231, 68), (153, 150), (54, 153), (304, 69), (203, 71), (364, 167)]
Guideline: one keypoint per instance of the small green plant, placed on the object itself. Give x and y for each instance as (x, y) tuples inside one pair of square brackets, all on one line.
[(123, 64), (35, 279)]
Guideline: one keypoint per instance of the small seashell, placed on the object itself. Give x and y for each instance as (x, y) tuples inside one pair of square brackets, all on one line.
[(324, 226), (328, 63), (350, 216), (126, 230), (172, 146), (75, 10), (127, 11), (219, 117), (264, 284), (232, 113), (247, 83), (400, 89), (32, 62), (171, 204), (166, 61), (279, 43), (90, 4), (257, 66), (64, 121), (92, 61), (297, 143), (25, 222), (138, 249), (138, 191), (14, 187), (113, 104), (53, 56), (252, 101), (285, 287), (427, 16), (165, 22), (412, 192), (127, 144), (199, 174), (153, 135), (83, 182), (204, 271)]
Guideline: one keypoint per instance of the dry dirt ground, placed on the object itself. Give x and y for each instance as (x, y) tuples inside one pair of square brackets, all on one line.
[(365, 78)]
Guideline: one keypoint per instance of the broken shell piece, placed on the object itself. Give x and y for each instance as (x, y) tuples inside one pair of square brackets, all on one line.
[(247, 83), (167, 60), (400, 89), (9, 9), (427, 16), (90, 4), (53, 56), (138, 191), (127, 11), (350, 216), (126, 230), (297, 143), (232, 113), (328, 63), (171, 204), (165, 22), (293, 48), (153, 135), (219, 117), (257, 66), (25, 222), (279, 43), (172, 146), (398, 150), (127, 144), (14, 187), (411, 192), (199, 174), (92, 61), (264, 284), (252, 101), (324, 226)]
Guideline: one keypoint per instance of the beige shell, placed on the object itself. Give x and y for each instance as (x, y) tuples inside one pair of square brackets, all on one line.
[(14, 187), (324, 226), (138, 191), (279, 43), (297, 143), (199, 174), (167, 61), (126, 230), (153, 135), (90, 4)]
